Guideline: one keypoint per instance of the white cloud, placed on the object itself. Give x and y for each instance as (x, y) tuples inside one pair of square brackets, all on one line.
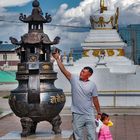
[(7, 25), (8, 3), (80, 14), (68, 40)]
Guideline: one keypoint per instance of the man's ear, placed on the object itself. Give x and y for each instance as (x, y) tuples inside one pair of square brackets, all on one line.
[(89, 75)]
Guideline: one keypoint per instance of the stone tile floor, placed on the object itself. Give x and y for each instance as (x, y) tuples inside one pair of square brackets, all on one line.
[(125, 127)]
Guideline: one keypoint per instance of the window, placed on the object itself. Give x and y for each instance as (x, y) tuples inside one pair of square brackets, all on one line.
[(5, 57)]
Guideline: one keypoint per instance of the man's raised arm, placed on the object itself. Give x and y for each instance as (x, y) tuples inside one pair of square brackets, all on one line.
[(61, 66)]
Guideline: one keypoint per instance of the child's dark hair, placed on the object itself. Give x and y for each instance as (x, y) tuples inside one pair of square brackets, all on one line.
[(103, 116), (89, 69)]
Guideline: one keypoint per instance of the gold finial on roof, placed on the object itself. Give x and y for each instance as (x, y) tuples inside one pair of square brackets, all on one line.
[(70, 55), (116, 17), (102, 6), (64, 53)]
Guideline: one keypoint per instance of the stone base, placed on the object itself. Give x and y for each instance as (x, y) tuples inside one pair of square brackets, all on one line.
[(15, 135)]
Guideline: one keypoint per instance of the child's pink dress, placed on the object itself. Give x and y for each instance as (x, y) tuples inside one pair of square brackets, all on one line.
[(104, 133)]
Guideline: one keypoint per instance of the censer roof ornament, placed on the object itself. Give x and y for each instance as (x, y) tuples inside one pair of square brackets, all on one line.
[(36, 16)]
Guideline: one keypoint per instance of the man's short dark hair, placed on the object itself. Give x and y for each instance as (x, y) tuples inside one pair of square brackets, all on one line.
[(89, 69)]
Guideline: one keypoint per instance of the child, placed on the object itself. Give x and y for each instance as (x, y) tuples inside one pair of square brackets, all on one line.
[(104, 132)]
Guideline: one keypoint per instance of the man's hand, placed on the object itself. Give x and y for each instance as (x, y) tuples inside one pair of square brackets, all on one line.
[(98, 116), (56, 55)]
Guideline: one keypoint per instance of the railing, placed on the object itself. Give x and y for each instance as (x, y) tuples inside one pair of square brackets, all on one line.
[(119, 93), (116, 93)]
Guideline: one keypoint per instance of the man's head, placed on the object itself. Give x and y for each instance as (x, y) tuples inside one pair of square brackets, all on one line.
[(85, 73)]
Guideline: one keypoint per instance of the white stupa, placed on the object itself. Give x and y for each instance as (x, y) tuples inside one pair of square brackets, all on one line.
[(104, 43), (103, 49)]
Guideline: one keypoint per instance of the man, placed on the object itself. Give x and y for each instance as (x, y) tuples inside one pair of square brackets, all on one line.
[(84, 95)]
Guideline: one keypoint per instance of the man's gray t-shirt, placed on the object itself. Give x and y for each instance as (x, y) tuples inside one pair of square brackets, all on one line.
[(82, 93)]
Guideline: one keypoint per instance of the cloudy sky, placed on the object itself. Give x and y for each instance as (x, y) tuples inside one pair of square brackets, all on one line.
[(63, 12)]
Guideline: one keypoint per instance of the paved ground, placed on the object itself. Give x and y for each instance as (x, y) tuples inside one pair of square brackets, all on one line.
[(126, 127)]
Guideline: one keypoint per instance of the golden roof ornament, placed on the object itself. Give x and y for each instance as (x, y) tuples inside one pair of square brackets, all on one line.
[(106, 17), (70, 55), (116, 18), (64, 53), (102, 6)]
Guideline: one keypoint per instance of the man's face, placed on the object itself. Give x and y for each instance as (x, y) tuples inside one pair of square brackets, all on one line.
[(84, 74)]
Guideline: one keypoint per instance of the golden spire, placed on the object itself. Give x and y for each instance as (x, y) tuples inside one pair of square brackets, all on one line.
[(116, 17), (102, 6), (64, 53), (70, 54)]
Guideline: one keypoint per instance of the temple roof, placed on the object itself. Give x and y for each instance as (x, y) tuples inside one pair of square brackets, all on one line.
[(7, 47)]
